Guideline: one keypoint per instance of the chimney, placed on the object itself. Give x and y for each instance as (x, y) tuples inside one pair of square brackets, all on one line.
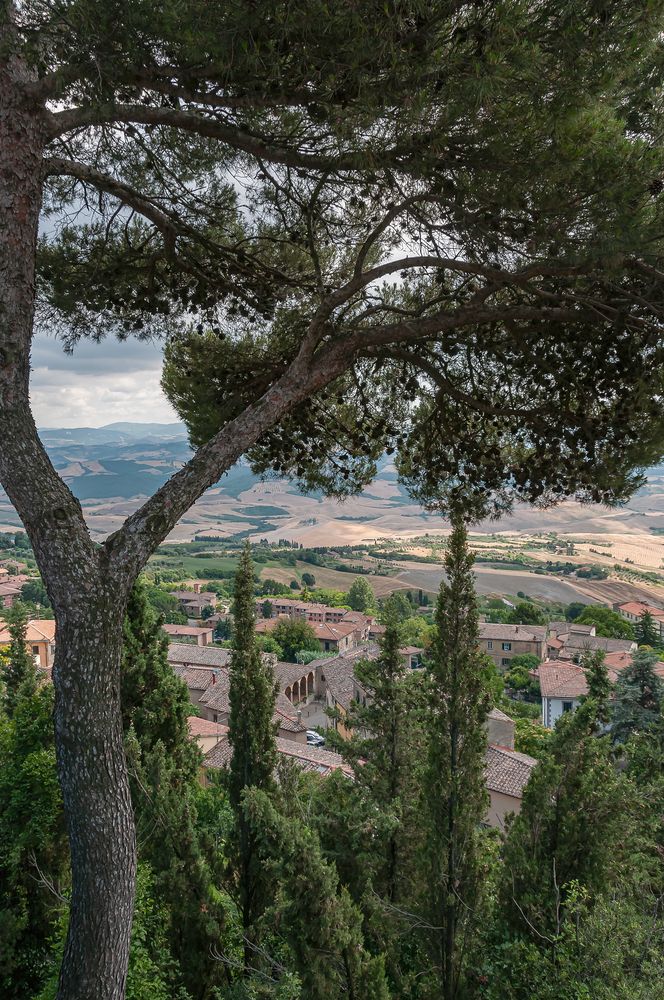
[(299, 716)]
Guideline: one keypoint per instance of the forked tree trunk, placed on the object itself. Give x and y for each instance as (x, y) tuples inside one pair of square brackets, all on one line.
[(88, 600)]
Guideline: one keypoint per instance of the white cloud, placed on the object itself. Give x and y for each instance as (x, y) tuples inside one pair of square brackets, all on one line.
[(98, 384)]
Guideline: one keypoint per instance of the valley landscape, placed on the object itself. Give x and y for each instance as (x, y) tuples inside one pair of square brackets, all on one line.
[(112, 469)]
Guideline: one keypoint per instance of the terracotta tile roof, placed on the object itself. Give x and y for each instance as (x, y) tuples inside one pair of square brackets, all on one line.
[(507, 771), (219, 756), (593, 642), (9, 589), (341, 683), (37, 630), (564, 628), (267, 624), (410, 650), (365, 651), (333, 632), (186, 630), (329, 631), (354, 616), (203, 727), (618, 661), (313, 758), (207, 596), (196, 678), (514, 633), (306, 757), (198, 656), (216, 695), (495, 713), (568, 680), (284, 714), (638, 607), (288, 673), (562, 680)]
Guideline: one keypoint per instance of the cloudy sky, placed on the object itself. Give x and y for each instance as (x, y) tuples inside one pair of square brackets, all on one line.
[(98, 384)]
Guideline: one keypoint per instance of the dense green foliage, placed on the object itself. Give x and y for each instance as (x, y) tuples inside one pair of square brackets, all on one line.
[(361, 596), (525, 613), (646, 631), (19, 675), (607, 622), (251, 734), (456, 799), (639, 696), (294, 636)]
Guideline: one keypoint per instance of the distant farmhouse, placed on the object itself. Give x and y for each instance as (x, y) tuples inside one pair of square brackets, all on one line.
[(632, 612)]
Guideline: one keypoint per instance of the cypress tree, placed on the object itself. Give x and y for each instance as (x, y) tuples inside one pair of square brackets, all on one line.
[(20, 673), (383, 750), (252, 737), (454, 795), (639, 696), (314, 913), (155, 702), (646, 632), (164, 763), (599, 684), (568, 831)]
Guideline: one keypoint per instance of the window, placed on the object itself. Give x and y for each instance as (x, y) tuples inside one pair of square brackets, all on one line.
[(489, 644), (567, 706), (214, 717), (505, 662), (35, 650), (507, 646)]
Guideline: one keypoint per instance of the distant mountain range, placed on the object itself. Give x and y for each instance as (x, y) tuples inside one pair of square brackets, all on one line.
[(111, 468), (121, 460), (122, 432), (126, 460)]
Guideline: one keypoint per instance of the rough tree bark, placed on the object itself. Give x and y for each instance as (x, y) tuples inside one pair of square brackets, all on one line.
[(88, 603)]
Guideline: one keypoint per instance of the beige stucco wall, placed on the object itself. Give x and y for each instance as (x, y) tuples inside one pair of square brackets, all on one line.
[(499, 806), (519, 647), (500, 732), (207, 742)]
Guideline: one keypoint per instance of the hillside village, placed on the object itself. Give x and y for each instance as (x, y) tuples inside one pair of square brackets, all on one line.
[(315, 694)]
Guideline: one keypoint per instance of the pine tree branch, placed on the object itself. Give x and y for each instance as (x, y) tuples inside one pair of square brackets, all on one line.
[(260, 147), (166, 224)]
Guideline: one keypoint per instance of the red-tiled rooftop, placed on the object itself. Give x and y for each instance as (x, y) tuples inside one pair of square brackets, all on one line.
[(203, 727), (507, 771), (306, 757), (638, 607), (186, 630), (37, 630), (513, 633), (562, 680)]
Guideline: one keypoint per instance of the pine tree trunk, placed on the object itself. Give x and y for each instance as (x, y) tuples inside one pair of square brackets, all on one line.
[(93, 776), (88, 601)]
